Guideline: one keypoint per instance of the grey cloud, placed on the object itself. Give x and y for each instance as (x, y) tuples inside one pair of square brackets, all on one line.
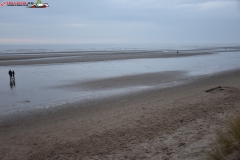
[(139, 21)]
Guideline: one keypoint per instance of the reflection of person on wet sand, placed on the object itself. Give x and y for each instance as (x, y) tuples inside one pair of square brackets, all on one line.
[(12, 83)]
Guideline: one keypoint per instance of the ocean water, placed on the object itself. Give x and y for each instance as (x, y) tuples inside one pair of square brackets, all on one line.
[(101, 47), (67, 48), (39, 86)]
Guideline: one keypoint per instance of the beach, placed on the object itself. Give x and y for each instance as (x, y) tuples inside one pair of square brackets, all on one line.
[(145, 121)]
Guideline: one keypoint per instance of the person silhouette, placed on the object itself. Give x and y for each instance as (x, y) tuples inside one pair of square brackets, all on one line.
[(10, 74), (13, 73)]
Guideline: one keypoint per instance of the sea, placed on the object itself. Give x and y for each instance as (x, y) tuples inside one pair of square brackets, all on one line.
[(102, 47)]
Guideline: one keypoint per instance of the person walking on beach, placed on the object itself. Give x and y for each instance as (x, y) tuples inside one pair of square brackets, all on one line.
[(13, 73), (10, 74)]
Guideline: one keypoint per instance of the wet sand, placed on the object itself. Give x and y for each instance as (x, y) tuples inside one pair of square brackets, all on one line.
[(7, 59), (173, 123), (147, 79), (87, 56)]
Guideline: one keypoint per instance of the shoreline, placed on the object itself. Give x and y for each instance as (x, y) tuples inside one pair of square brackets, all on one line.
[(73, 106), (142, 125)]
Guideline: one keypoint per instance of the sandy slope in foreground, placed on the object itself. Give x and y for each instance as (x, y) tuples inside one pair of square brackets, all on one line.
[(173, 123)]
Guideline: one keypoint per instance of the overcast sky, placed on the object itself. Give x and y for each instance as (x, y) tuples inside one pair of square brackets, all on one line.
[(122, 21)]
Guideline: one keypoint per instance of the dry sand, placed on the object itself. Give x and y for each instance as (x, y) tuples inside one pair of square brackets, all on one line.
[(172, 123)]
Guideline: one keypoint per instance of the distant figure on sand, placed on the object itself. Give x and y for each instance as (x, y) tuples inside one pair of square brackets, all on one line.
[(10, 74), (177, 52), (12, 78)]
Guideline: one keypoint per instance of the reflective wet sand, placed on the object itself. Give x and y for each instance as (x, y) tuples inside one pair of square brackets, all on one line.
[(49, 85)]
